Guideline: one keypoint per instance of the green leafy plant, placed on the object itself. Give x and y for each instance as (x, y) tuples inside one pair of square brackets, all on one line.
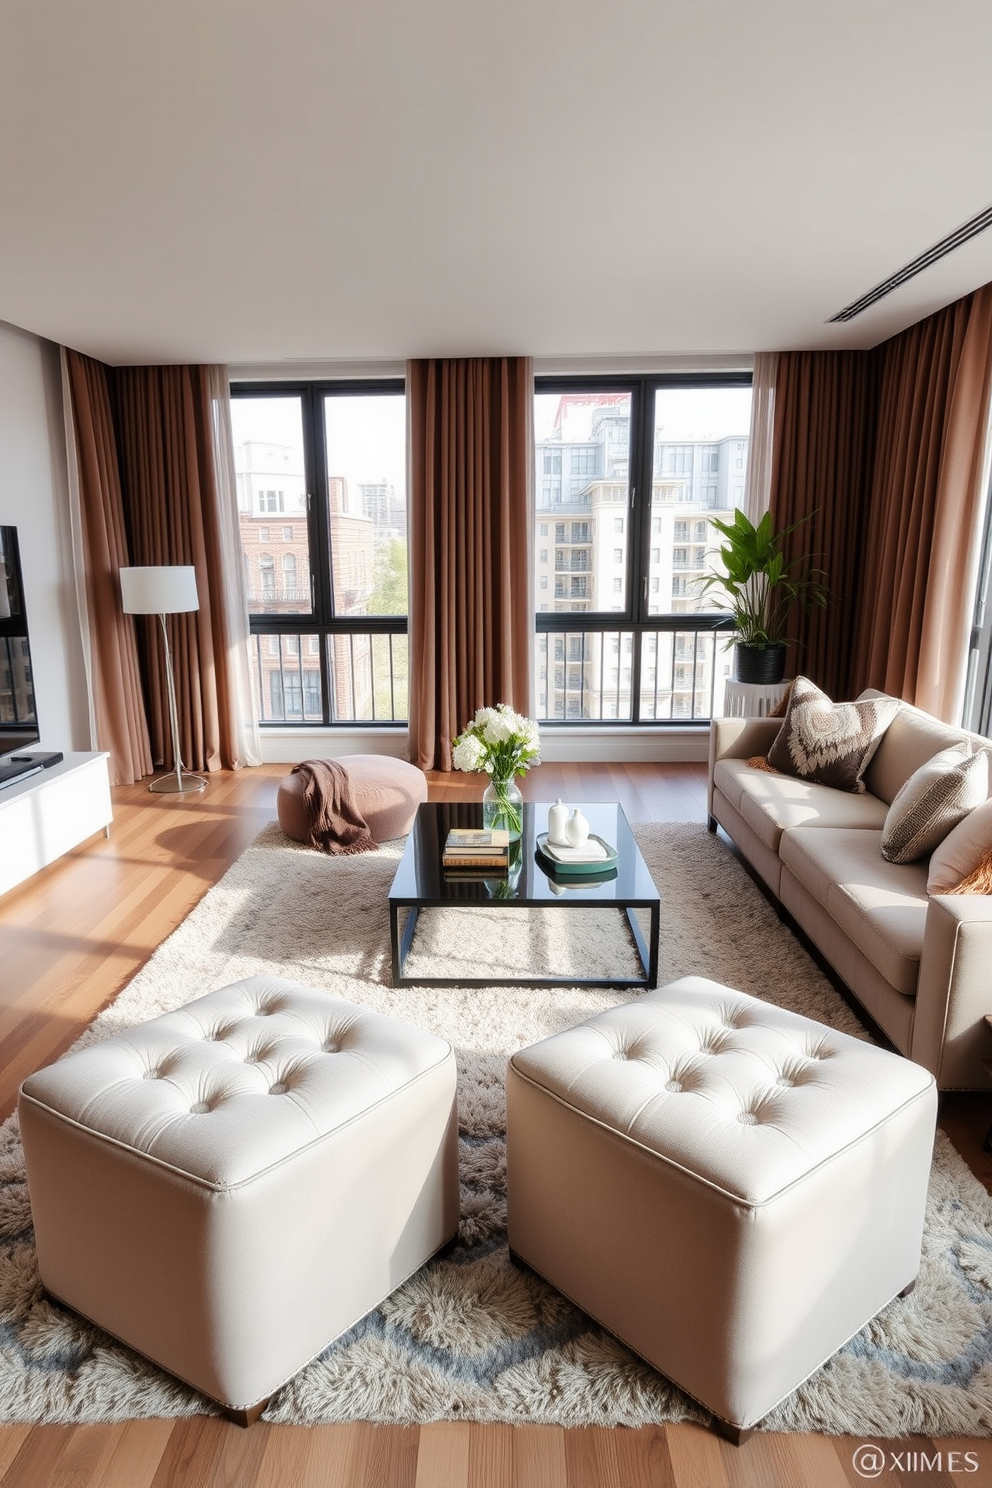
[(757, 586)]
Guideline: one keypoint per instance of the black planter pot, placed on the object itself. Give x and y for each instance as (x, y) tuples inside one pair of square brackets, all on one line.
[(765, 664)]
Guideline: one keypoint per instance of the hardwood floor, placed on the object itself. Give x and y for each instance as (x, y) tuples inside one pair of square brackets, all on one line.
[(69, 941)]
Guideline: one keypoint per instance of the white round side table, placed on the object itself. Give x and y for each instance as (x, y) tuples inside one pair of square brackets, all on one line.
[(751, 699)]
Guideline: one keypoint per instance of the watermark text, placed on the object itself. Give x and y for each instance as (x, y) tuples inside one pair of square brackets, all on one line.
[(871, 1461)]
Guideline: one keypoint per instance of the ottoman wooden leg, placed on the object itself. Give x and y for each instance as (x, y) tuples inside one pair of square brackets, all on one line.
[(246, 1417), (911, 1286), (735, 1435)]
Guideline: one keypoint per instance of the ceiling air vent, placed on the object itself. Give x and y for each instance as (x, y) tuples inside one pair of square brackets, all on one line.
[(962, 234)]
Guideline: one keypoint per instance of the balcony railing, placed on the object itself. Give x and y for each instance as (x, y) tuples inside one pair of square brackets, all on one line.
[(278, 594), (346, 676), (647, 676)]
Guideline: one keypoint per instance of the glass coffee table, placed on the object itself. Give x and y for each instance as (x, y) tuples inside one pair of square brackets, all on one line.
[(421, 883)]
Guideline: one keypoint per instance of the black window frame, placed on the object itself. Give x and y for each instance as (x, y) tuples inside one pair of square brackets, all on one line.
[(321, 619), (634, 617)]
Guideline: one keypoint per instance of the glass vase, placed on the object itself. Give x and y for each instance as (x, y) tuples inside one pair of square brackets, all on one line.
[(506, 888), (503, 807)]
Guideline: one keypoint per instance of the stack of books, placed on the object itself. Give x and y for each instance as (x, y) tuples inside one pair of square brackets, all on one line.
[(476, 850)]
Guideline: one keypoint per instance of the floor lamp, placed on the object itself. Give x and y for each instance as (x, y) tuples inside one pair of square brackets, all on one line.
[(167, 590)]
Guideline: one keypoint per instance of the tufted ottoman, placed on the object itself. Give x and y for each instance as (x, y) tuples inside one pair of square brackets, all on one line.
[(229, 1187), (731, 1189), (387, 792)]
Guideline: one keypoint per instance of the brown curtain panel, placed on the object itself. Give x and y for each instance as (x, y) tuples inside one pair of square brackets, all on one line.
[(169, 483), (926, 506), (115, 679), (471, 521), (825, 410)]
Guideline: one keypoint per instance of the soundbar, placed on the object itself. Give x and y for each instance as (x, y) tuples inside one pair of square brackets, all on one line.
[(11, 773), (41, 759), (19, 766)]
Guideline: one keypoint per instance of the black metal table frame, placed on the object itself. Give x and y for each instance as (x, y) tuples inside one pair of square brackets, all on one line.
[(419, 884), (647, 950)]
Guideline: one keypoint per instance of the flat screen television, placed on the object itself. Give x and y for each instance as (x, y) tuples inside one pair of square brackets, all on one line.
[(18, 715)]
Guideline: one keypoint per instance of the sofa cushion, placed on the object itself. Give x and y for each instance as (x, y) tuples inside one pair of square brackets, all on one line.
[(770, 803), (934, 799), (961, 851), (829, 743), (881, 907), (912, 738)]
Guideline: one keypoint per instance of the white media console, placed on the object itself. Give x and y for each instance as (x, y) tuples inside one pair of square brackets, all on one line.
[(46, 815)]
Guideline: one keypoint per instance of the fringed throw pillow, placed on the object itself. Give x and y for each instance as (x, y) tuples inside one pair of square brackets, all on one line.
[(829, 743), (979, 880), (962, 852), (781, 707), (933, 800)]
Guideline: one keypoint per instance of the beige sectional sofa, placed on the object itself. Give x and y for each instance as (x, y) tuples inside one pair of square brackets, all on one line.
[(921, 966)]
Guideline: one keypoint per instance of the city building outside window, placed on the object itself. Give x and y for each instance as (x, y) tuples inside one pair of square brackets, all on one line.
[(678, 471), (332, 458)]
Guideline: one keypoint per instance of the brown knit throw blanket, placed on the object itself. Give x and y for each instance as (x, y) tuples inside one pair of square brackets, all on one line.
[(335, 822)]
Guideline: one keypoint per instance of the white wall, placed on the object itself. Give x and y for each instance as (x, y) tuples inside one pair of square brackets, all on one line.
[(33, 498)]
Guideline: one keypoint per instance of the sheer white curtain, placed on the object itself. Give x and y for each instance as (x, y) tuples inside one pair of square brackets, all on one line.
[(235, 598), (758, 481)]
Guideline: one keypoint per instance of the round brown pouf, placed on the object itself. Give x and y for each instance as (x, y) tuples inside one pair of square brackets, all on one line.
[(387, 792)]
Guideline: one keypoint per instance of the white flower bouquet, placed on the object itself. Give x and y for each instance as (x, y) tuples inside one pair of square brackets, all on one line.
[(504, 744)]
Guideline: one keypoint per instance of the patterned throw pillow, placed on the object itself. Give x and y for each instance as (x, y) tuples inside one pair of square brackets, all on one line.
[(933, 800), (829, 743)]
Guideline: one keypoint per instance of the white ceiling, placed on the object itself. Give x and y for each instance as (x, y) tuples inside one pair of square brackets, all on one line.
[(285, 180)]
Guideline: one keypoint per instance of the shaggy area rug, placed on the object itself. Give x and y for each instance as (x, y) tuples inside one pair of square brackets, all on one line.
[(470, 1336)]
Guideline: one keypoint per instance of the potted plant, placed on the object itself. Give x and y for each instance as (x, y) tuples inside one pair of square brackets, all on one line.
[(760, 590)]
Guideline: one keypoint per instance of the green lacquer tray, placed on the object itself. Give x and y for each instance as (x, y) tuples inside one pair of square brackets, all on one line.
[(602, 868)]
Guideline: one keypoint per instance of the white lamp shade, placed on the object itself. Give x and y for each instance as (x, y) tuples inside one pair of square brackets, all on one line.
[(166, 590)]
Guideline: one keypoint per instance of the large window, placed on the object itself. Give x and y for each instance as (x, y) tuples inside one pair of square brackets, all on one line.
[(641, 466), (321, 473)]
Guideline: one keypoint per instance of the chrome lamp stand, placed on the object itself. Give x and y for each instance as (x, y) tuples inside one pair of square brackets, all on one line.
[(179, 782)]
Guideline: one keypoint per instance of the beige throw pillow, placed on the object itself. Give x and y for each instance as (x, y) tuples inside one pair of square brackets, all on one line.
[(933, 800), (829, 743), (962, 851)]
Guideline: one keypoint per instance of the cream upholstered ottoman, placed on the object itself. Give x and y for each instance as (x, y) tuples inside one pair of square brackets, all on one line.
[(387, 792), (731, 1189), (229, 1187)]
